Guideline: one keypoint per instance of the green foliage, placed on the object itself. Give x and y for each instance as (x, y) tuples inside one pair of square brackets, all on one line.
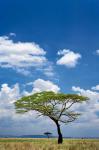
[(56, 106)]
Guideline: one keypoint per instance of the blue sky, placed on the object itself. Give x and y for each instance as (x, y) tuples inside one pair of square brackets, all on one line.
[(49, 45)]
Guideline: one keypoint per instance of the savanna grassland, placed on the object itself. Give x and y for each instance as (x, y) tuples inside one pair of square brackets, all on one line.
[(48, 144)]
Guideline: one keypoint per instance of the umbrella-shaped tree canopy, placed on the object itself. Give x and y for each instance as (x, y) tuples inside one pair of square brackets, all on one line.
[(57, 106)]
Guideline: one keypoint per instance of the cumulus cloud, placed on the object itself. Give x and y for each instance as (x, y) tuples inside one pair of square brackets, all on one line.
[(40, 85), (12, 123), (8, 95), (89, 110), (19, 55), (96, 88), (69, 58), (24, 57)]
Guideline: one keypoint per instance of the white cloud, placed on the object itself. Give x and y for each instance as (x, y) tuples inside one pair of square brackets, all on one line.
[(89, 117), (42, 85), (96, 88), (8, 96), (20, 54), (88, 121), (12, 123), (94, 96), (24, 57), (69, 58), (97, 52)]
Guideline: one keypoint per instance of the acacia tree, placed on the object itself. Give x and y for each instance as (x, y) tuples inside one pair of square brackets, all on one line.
[(47, 134), (56, 106)]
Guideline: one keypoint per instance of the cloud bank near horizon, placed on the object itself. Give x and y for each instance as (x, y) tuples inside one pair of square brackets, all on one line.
[(8, 95)]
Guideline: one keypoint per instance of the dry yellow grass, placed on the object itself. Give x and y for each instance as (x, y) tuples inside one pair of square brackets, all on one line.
[(45, 144)]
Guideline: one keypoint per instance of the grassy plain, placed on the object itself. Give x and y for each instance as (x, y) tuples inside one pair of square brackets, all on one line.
[(48, 144)]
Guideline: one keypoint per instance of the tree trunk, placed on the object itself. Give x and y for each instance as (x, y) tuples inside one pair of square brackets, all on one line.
[(60, 137)]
